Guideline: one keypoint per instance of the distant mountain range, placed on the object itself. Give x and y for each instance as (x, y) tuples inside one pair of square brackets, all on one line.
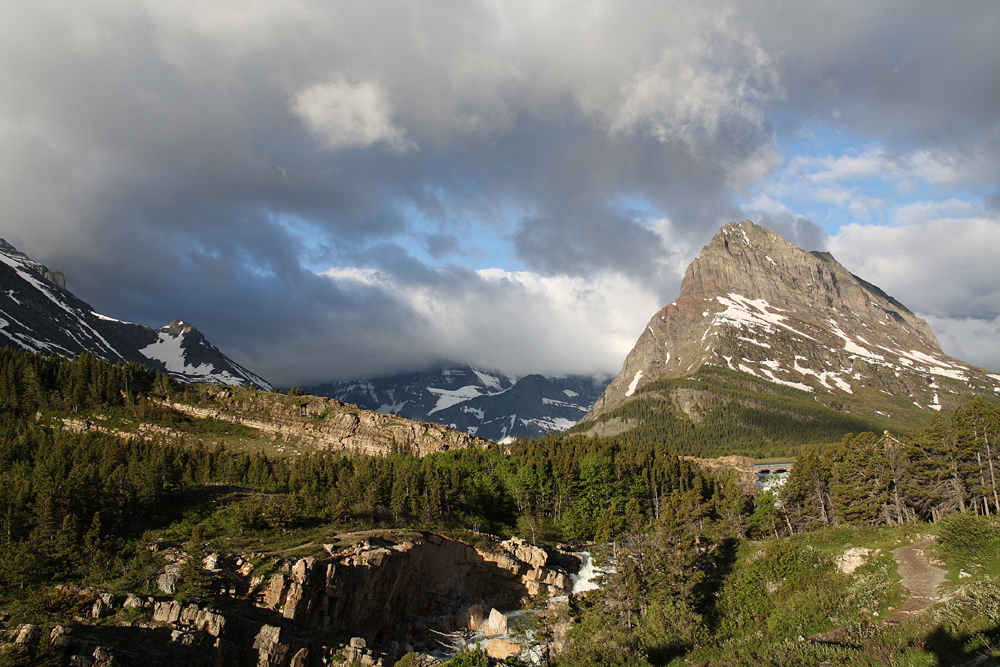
[(485, 403), (37, 313), (767, 347), (757, 314)]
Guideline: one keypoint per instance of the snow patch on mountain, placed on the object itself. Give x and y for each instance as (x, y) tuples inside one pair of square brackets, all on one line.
[(450, 397), (634, 383), (168, 349), (562, 404), (490, 381), (755, 313)]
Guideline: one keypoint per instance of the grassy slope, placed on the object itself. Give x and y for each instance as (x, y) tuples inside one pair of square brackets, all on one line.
[(737, 413), (813, 614)]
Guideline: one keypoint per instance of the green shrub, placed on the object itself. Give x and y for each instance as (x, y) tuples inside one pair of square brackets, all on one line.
[(871, 588), (475, 658), (670, 628), (796, 585), (979, 601), (967, 538), (598, 640), (409, 660)]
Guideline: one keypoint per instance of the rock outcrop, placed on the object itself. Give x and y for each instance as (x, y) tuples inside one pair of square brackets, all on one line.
[(742, 467), (325, 424), (368, 604), (399, 592)]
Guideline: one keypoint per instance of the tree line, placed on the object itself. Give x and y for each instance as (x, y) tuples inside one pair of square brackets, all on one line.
[(950, 465)]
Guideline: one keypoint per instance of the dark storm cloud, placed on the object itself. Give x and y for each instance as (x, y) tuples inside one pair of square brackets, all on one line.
[(912, 74), (203, 160), (627, 247)]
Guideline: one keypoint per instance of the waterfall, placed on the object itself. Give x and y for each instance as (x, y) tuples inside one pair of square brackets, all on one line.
[(584, 579)]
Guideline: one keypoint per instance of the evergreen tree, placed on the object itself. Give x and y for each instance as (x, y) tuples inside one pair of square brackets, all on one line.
[(196, 583)]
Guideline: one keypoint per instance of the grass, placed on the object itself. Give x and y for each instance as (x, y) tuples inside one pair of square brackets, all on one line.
[(952, 633)]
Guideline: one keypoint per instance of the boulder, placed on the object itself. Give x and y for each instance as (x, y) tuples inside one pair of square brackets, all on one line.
[(852, 559), (104, 657), (496, 624), (167, 612), (525, 552), (28, 635), (60, 640), (270, 651), (169, 580), (471, 617), (300, 659), (212, 562), (103, 605), (501, 649), (133, 601)]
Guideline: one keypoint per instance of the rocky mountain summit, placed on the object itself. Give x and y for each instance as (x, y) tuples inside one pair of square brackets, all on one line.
[(756, 304), (37, 313), (480, 402)]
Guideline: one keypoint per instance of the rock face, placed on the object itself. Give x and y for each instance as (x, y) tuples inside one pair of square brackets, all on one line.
[(39, 314), (855, 557), (367, 605), (326, 424), (385, 593), (753, 302)]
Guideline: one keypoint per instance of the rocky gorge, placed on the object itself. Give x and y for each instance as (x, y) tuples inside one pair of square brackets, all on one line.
[(369, 603)]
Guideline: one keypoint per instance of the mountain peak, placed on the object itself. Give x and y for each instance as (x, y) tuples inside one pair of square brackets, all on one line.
[(750, 260), (176, 328), (755, 303), (42, 316)]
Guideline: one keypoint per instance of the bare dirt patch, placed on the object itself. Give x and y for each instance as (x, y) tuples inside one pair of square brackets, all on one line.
[(920, 576)]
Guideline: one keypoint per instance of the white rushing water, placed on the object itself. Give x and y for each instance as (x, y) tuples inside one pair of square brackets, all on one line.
[(584, 579)]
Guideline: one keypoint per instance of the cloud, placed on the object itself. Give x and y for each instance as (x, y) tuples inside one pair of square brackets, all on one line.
[(969, 339), (342, 114), (519, 321), (205, 160), (943, 268), (791, 226)]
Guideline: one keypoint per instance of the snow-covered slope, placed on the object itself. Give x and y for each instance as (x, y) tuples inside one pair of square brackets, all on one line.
[(38, 314), (481, 402)]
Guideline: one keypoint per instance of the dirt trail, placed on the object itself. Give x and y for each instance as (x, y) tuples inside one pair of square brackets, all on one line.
[(285, 551), (920, 577)]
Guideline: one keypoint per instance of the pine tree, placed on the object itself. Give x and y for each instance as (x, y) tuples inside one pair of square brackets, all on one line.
[(196, 584), (805, 495), (859, 483)]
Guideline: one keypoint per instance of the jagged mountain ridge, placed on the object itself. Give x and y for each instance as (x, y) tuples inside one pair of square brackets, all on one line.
[(480, 402), (755, 303), (37, 313)]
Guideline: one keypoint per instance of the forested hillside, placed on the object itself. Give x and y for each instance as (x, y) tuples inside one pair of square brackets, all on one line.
[(949, 465), (70, 502)]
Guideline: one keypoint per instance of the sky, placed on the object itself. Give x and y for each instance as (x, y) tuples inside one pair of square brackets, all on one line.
[(331, 189)]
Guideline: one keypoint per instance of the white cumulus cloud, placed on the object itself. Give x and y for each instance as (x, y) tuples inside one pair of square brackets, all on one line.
[(345, 114), (517, 321)]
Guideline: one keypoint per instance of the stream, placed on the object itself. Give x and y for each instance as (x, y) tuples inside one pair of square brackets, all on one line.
[(521, 623)]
